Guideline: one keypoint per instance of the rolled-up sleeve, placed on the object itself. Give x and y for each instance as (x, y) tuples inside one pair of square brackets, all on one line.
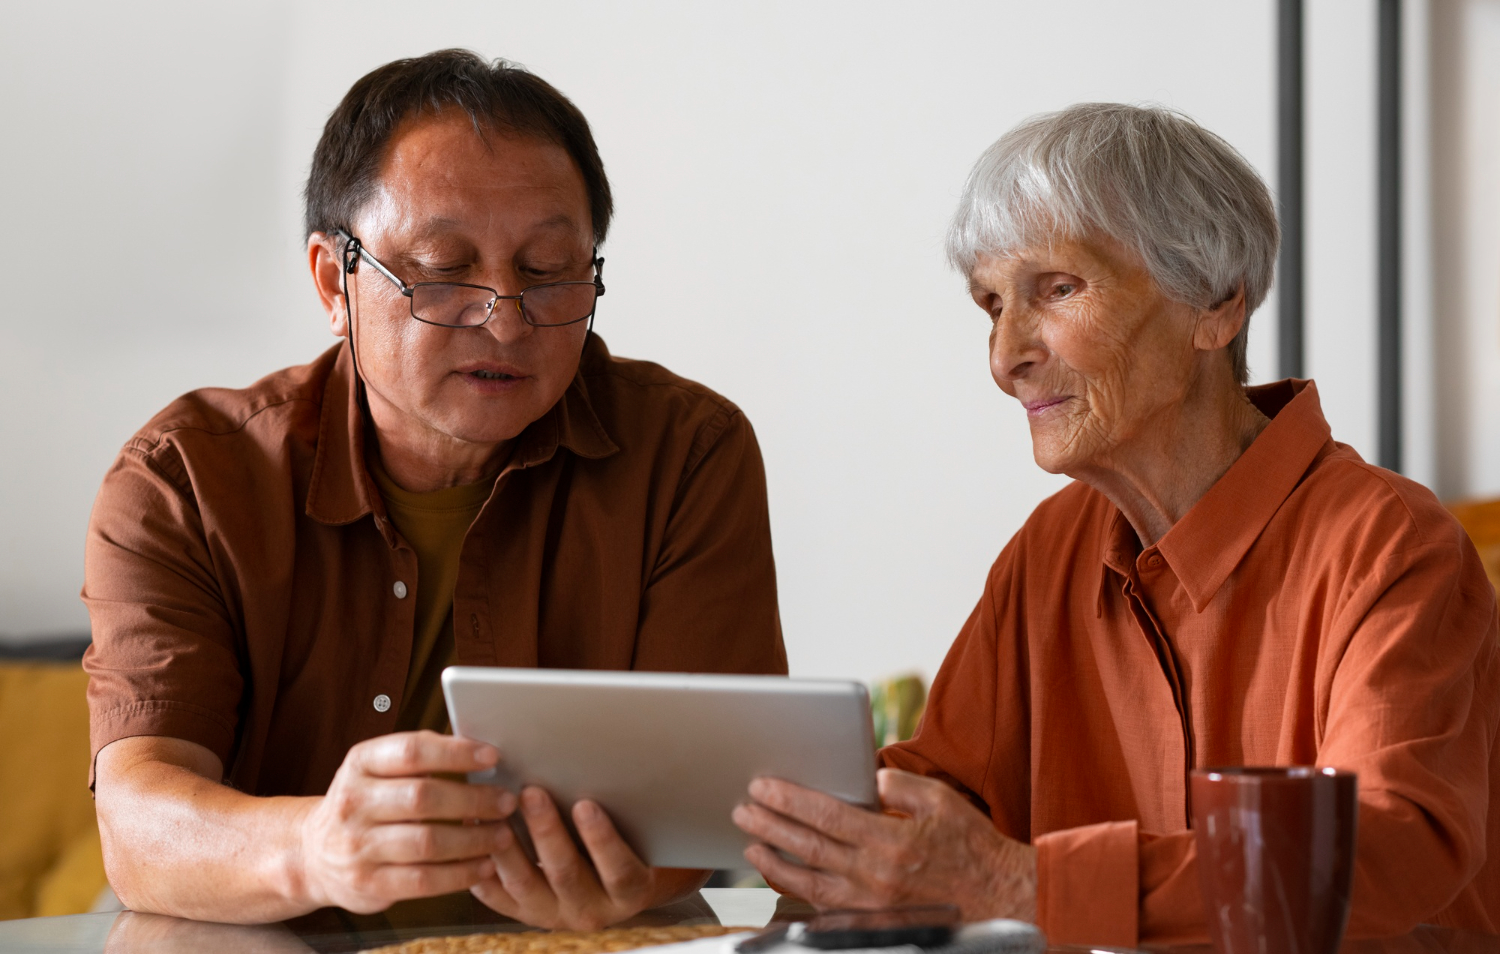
[(163, 659)]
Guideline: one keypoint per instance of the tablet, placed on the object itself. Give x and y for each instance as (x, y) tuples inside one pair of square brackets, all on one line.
[(668, 756)]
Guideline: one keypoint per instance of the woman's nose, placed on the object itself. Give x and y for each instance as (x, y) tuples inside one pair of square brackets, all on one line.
[(1016, 348)]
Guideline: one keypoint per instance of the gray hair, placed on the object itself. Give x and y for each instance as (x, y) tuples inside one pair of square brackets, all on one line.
[(1184, 199)]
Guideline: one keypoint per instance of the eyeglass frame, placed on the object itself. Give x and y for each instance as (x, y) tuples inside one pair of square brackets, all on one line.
[(354, 250)]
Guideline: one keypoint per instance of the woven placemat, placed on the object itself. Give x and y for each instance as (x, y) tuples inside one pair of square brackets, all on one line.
[(559, 942)]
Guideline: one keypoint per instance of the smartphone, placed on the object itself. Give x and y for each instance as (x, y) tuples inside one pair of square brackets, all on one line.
[(924, 926)]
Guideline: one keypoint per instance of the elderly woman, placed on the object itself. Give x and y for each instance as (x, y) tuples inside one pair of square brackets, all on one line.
[(1223, 584)]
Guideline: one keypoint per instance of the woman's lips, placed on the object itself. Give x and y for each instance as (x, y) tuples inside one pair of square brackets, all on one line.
[(1034, 408)]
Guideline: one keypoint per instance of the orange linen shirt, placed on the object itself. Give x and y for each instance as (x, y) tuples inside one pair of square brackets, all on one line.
[(1310, 609), (249, 592)]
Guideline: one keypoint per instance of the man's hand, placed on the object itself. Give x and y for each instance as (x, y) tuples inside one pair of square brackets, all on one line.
[(386, 831), (939, 849), (565, 890)]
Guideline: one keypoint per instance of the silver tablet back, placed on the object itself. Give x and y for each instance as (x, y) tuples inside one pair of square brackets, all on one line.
[(668, 756)]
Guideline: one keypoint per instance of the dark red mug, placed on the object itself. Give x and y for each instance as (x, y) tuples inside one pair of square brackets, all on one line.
[(1275, 857)]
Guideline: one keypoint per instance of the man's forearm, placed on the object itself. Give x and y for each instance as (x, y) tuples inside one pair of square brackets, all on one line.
[(177, 843)]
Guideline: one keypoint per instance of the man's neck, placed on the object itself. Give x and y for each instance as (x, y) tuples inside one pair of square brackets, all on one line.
[(421, 459)]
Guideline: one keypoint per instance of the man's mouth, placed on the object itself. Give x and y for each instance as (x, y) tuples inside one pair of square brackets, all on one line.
[(490, 372)]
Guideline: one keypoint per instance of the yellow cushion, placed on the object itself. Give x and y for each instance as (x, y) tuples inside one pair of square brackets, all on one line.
[(49, 840), (1481, 518)]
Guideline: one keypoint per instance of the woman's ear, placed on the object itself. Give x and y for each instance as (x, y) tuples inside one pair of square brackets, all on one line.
[(1217, 326), (325, 262)]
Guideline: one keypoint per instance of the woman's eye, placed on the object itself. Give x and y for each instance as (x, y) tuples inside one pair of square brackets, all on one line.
[(1063, 289)]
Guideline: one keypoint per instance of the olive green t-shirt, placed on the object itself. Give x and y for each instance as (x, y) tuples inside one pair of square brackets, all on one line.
[(434, 525)]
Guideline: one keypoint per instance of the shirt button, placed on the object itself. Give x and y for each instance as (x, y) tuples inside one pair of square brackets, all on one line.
[(1155, 560), (382, 702), (400, 590)]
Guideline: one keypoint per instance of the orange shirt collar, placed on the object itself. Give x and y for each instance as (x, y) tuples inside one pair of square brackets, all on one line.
[(341, 490), (1206, 545)]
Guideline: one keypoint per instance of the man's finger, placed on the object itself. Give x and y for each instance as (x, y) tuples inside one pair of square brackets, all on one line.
[(818, 811), (564, 867), (428, 799), (397, 882), (520, 878), (816, 849), (401, 754), (415, 843), (492, 894), (625, 877)]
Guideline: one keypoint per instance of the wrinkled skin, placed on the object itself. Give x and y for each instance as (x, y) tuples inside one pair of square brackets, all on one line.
[(436, 216), (938, 850), (1125, 390)]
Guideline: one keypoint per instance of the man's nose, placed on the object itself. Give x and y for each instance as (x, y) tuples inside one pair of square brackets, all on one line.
[(507, 322)]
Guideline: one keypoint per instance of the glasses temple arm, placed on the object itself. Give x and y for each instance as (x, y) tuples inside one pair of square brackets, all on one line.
[(363, 253)]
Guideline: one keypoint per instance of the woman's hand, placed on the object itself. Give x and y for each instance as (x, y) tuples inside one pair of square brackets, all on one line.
[(938, 849)]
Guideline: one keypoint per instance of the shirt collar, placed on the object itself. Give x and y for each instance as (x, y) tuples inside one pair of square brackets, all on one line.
[(341, 490), (1210, 541)]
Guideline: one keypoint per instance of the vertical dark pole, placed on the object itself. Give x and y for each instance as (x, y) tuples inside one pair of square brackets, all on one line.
[(1289, 186), (1388, 175)]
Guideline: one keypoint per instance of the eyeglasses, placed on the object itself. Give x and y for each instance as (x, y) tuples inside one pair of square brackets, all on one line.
[(456, 305)]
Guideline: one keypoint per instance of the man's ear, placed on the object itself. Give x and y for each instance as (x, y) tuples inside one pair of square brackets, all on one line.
[(1217, 326), (325, 260)]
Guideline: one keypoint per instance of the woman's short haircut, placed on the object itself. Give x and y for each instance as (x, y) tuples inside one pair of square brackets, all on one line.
[(1184, 199), (498, 97)]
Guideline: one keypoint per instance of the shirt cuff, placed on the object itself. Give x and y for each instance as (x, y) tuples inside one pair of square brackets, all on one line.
[(168, 719), (1088, 885)]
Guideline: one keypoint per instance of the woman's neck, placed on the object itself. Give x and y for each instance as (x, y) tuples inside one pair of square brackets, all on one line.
[(1158, 477)]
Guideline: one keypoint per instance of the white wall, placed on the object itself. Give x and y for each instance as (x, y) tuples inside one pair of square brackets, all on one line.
[(783, 173), (1465, 163)]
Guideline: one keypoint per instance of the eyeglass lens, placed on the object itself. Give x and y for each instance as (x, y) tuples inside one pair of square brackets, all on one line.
[(465, 306)]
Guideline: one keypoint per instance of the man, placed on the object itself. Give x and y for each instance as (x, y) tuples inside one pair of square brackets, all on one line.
[(277, 576)]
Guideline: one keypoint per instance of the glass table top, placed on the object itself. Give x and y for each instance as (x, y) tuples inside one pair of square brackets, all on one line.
[(332, 930)]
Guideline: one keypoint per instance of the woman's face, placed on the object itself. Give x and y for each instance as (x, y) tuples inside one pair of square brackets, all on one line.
[(1089, 345)]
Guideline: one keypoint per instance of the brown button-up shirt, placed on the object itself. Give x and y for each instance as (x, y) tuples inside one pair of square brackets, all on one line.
[(1311, 609), (249, 593)]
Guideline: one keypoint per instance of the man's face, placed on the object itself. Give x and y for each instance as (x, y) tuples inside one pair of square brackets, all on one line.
[(455, 206)]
